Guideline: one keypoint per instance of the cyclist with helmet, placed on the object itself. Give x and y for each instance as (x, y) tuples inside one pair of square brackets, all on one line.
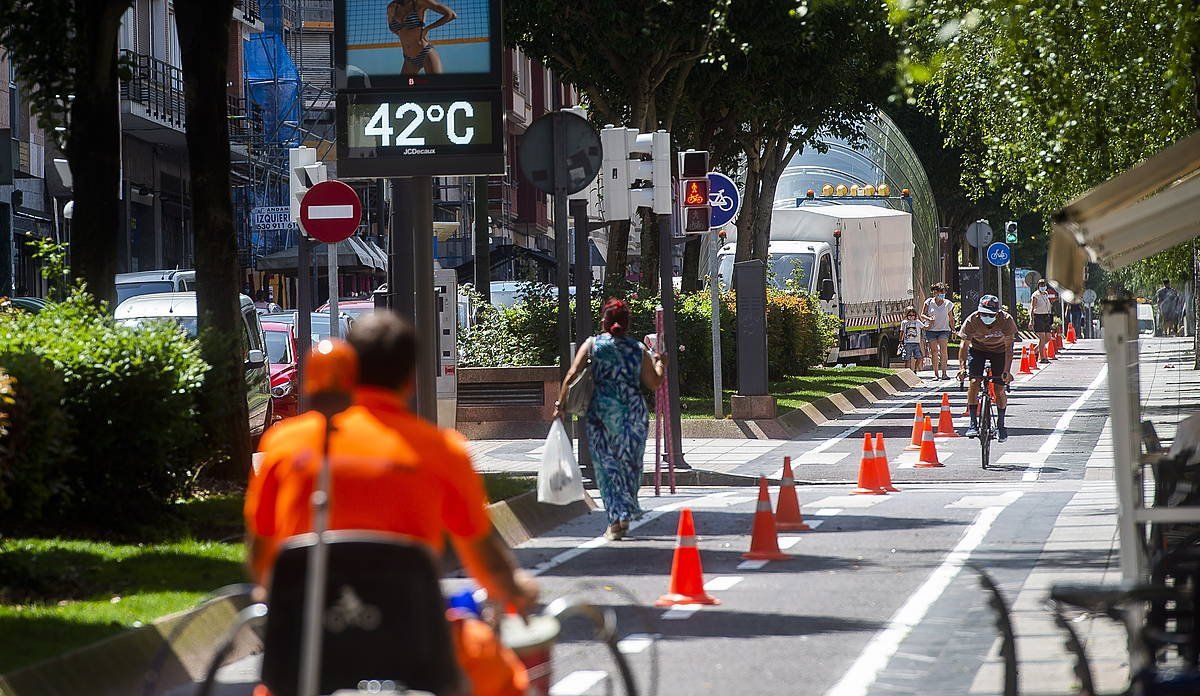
[(987, 340)]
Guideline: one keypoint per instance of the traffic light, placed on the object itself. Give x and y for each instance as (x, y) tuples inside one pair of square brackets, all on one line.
[(693, 191), (1010, 232), (304, 172), (637, 172)]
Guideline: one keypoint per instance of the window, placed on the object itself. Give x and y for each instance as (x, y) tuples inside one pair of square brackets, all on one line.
[(825, 272), (253, 334)]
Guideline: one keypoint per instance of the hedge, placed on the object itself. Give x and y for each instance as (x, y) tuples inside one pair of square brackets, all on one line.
[(102, 426), (799, 335)]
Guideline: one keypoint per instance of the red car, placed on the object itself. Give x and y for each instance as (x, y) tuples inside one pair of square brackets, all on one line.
[(285, 376)]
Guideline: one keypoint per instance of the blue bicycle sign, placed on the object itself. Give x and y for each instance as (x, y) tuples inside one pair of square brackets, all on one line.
[(723, 199), (999, 254)]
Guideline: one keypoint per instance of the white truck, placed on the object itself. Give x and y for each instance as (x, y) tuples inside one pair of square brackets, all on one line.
[(858, 259)]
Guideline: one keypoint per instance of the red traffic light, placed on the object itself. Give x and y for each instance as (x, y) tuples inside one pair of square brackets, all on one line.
[(695, 192)]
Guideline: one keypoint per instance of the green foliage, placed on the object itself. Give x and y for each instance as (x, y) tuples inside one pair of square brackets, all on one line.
[(35, 440), (799, 334), (55, 269), (130, 444)]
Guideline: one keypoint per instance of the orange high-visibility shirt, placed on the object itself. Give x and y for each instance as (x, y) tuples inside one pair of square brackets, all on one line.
[(414, 481)]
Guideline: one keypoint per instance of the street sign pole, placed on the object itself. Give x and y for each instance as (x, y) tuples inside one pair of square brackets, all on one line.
[(332, 262), (714, 289), (583, 306), (425, 320)]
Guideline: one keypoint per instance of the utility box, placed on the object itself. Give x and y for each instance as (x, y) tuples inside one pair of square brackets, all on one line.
[(753, 400), (445, 285)]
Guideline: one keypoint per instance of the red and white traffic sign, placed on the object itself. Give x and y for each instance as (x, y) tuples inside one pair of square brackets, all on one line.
[(330, 211)]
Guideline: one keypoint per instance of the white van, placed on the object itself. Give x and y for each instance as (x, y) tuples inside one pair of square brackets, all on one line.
[(1145, 318), (180, 307)]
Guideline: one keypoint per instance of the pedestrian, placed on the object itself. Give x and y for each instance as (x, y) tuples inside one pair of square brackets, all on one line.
[(391, 472), (1170, 308), (910, 332), (616, 419), (1041, 319), (939, 312)]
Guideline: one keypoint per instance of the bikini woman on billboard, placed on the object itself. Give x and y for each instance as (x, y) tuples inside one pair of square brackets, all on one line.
[(406, 19)]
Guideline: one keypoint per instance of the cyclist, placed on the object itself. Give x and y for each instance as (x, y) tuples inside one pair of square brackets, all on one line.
[(987, 339)]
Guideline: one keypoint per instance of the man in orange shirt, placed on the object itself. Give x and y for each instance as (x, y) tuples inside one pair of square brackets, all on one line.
[(392, 472)]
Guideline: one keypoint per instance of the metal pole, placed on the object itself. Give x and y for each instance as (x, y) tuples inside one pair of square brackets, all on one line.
[(1121, 349), (332, 268), (562, 251), (1000, 283), (483, 241), (425, 319), (714, 289), (667, 339), (583, 303), (303, 309), (400, 265)]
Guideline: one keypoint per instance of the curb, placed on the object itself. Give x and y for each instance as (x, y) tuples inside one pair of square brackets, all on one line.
[(116, 666), (804, 418)]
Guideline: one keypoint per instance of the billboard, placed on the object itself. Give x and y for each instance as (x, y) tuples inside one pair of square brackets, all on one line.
[(382, 44)]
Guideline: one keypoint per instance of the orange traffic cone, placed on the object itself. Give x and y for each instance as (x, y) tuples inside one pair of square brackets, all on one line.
[(1051, 350), (945, 420), (787, 508), (687, 576), (1025, 361), (1034, 356), (918, 422), (1071, 333), (1058, 338), (764, 540), (929, 455), (882, 474), (868, 479)]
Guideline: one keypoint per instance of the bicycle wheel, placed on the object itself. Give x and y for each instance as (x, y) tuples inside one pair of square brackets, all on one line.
[(985, 432)]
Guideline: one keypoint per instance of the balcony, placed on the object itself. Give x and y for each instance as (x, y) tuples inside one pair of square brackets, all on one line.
[(317, 13), (249, 13), (153, 106)]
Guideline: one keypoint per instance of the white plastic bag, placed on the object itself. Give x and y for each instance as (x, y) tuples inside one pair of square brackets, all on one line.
[(559, 481)]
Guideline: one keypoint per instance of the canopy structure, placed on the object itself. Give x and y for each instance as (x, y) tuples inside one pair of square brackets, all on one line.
[(1145, 210), (354, 254)]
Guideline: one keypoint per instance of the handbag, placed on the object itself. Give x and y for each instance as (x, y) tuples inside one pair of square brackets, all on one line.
[(579, 390), (559, 481)]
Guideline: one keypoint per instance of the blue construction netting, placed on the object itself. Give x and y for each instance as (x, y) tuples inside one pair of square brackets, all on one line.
[(273, 88)]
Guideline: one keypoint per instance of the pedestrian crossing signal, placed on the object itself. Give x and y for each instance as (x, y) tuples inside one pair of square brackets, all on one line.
[(696, 219)]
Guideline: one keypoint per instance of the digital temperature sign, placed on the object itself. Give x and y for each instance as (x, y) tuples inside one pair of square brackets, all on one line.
[(404, 133)]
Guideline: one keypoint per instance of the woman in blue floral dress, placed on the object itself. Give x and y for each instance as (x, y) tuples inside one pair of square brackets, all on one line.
[(617, 418)]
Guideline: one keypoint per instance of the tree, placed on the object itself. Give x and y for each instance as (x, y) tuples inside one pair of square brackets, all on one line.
[(66, 52), (631, 58), (780, 75), (204, 46)]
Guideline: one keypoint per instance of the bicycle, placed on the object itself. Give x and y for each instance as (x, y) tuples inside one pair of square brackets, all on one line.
[(987, 431)]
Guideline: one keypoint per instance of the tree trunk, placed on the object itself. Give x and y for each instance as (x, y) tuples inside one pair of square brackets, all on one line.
[(691, 264), (648, 284), (204, 44), (93, 148), (745, 223), (767, 185), (617, 263)]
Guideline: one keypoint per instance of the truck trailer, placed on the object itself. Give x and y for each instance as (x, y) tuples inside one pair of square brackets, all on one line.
[(858, 259)]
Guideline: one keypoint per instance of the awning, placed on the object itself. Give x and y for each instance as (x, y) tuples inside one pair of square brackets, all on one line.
[(1147, 209), (354, 254)]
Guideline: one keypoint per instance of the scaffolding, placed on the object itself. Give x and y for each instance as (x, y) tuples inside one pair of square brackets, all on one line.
[(276, 110)]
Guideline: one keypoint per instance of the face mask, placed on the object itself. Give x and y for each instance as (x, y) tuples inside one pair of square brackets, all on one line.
[(987, 319), (941, 295), (1042, 288)]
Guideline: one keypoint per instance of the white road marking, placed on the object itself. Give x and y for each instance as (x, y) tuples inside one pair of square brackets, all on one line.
[(827, 512), (635, 643), (983, 501), (1060, 428), (330, 212), (837, 439), (599, 541), (849, 501), (909, 460), (813, 524), (751, 565), (883, 646), (680, 612), (787, 542), (577, 683), (722, 582)]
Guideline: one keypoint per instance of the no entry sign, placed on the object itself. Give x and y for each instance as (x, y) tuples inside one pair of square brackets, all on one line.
[(330, 211)]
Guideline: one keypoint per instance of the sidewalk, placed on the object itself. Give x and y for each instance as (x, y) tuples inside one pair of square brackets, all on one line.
[(1083, 548)]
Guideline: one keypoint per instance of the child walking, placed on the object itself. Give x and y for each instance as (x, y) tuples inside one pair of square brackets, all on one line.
[(910, 330)]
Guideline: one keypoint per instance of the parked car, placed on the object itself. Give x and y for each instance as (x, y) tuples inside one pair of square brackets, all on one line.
[(147, 282), (285, 374), (180, 307), (319, 323), (33, 305)]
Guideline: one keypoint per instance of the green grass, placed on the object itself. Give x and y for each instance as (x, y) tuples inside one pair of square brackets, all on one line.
[(59, 594), (503, 486), (792, 392)]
